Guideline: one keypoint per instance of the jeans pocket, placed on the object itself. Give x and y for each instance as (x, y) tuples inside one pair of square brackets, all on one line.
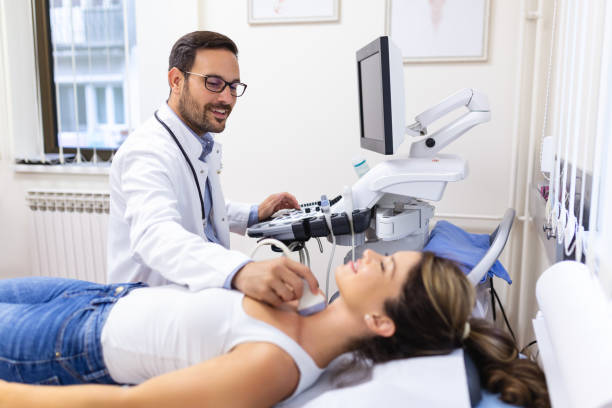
[(49, 381), (43, 372), (9, 371)]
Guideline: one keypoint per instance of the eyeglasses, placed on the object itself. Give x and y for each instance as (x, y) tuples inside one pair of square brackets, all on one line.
[(217, 85)]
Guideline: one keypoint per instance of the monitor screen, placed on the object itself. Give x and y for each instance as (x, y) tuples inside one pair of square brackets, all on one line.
[(381, 104), (372, 98)]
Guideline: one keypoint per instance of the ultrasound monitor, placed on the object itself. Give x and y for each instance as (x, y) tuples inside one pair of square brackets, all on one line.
[(380, 77)]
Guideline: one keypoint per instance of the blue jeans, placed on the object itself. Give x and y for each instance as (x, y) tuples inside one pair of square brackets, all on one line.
[(50, 329)]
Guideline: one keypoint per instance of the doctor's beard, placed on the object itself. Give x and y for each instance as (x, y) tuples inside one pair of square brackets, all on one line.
[(196, 116)]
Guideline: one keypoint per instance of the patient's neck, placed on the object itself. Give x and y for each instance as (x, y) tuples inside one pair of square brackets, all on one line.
[(328, 334)]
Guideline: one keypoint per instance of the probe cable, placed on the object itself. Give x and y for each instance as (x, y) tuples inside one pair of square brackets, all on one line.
[(325, 209)]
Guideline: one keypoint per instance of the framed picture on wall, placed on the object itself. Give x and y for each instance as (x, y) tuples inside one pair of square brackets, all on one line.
[(439, 30), (292, 11)]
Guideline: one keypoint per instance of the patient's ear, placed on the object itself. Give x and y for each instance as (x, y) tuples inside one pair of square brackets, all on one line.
[(380, 324)]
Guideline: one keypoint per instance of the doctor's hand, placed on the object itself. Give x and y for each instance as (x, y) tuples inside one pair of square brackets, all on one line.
[(274, 203), (274, 281)]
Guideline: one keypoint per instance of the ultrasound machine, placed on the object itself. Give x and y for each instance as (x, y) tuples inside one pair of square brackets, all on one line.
[(388, 208)]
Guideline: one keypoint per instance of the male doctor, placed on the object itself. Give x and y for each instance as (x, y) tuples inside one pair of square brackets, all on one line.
[(168, 219)]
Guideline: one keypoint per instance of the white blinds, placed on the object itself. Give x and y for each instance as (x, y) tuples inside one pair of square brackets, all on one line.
[(579, 126)]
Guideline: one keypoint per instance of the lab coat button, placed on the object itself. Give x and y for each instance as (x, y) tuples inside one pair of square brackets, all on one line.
[(119, 289), (223, 219)]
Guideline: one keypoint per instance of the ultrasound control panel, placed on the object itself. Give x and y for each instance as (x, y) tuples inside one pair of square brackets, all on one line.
[(309, 222)]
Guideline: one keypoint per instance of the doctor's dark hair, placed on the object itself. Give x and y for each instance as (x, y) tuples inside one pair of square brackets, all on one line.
[(430, 316), (184, 49)]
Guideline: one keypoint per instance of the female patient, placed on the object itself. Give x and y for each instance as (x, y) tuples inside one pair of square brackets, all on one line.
[(219, 348)]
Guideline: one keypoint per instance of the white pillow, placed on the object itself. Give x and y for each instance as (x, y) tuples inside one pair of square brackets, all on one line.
[(437, 381)]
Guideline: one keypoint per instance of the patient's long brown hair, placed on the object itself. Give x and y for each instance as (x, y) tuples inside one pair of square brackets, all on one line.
[(430, 317)]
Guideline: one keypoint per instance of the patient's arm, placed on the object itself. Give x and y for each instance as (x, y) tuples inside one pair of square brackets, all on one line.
[(253, 375), (14, 395)]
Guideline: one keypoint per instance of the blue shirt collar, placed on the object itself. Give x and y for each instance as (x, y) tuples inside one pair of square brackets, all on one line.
[(206, 140)]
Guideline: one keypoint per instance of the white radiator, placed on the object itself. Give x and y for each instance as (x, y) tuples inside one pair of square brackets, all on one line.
[(69, 231)]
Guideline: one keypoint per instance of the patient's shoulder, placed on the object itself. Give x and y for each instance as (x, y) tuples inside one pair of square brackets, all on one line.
[(270, 355), (272, 364)]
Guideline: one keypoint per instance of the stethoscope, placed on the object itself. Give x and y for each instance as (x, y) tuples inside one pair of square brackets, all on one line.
[(193, 172)]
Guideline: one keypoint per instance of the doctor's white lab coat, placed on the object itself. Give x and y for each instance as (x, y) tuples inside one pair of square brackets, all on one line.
[(156, 233)]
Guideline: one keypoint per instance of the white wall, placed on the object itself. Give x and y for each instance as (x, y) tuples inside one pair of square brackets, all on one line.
[(12, 239), (158, 25), (20, 90), (296, 128)]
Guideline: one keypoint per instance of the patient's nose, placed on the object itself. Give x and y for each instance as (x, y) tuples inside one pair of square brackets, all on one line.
[(369, 254)]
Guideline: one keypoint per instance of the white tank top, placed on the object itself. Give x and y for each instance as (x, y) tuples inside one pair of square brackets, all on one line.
[(152, 331)]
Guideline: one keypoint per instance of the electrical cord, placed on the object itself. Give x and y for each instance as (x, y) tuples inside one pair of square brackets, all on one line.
[(531, 343), (347, 195), (307, 255), (492, 299), (353, 242), (325, 209), (320, 245), (272, 241), (302, 252), (331, 258), (501, 307), (292, 247), (495, 296)]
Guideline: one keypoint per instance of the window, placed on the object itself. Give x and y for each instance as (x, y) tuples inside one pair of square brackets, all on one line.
[(84, 48)]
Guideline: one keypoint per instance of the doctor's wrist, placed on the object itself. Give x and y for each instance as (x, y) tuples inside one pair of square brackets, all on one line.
[(231, 278), (235, 283), (234, 280)]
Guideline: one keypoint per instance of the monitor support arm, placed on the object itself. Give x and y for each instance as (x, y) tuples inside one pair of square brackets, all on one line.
[(478, 106)]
